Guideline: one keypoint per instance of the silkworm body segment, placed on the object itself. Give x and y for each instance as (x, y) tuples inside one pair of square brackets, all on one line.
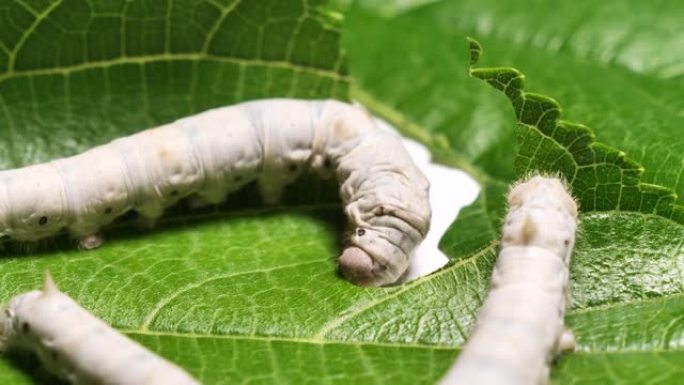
[(74, 345), (520, 326), (217, 152)]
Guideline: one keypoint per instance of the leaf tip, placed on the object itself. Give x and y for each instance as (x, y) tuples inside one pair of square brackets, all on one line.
[(475, 50)]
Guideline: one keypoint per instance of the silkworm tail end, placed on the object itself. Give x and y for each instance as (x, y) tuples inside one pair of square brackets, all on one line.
[(49, 285), (357, 266)]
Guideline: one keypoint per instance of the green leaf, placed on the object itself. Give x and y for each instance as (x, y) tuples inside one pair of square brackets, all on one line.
[(233, 294), (245, 293), (626, 272), (603, 179), (383, 7), (107, 68), (250, 295)]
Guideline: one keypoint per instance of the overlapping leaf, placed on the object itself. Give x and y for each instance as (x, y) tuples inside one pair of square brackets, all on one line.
[(627, 271)]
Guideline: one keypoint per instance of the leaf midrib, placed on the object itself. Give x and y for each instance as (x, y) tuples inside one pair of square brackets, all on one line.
[(395, 345), (315, 341), (166, 57), (332, 324)]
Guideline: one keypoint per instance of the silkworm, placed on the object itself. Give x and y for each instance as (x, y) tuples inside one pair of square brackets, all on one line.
[(218, 151), (76, 346), (520, 326)]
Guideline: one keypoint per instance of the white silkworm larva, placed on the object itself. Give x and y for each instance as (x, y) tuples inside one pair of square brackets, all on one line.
[(76, 346), (220, 150), (520, 327)]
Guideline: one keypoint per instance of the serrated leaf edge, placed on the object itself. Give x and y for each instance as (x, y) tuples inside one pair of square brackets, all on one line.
[(542, 113)]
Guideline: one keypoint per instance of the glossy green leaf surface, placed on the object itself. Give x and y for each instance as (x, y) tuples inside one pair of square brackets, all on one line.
[(248, 294), (235, 294), (621, 158), (79, 72)]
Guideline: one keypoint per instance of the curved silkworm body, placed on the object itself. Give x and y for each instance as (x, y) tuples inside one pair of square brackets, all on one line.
[(76, 346), (520, 327), (218, 151)]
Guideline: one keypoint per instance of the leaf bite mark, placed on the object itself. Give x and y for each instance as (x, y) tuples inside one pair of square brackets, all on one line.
[(602, 178)]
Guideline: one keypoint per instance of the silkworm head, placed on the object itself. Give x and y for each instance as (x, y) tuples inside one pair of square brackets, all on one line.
[(546, 189), (371, 260), (542, 213), (357, 266), (12, 330), (17, 318)]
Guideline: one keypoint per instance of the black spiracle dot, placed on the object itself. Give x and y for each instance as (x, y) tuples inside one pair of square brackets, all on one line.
[(566, 242), (293, 167), (25, 327), (360, 232), (327, 163), (43, 220), (108, 210)]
